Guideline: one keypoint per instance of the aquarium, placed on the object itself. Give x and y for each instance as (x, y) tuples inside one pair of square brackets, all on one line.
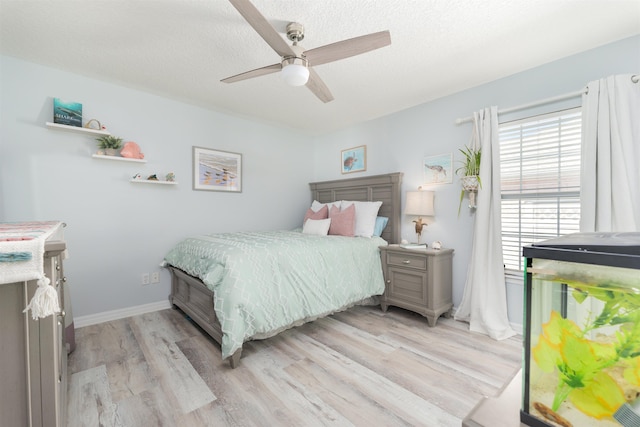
[(582, 331)]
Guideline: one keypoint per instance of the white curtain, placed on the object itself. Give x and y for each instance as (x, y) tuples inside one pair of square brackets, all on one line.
[(484, 302), (610, 179)]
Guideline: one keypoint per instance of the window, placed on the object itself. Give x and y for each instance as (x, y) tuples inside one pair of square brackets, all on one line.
[(540, 182)]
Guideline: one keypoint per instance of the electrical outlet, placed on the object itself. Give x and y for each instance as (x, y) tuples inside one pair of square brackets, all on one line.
[(145, 279), (155, 277)]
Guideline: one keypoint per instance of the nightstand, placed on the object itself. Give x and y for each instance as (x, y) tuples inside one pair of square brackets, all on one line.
[(418, 280)]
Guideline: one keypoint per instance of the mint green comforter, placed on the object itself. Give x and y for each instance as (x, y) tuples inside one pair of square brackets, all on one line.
[(265, 282)]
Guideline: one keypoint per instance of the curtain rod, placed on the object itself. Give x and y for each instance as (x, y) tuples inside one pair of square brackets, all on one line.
[(532, 104), (634, 78)]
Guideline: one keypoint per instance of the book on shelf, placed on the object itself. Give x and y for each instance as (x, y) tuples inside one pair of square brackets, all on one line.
[(67, 113)]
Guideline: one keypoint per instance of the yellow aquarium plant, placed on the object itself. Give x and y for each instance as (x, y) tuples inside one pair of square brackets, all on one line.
[(590, 372)]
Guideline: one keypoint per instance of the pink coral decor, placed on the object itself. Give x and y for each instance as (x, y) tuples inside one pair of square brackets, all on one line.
[(131, 150)]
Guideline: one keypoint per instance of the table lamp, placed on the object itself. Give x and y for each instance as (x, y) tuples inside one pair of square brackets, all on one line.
[(419, 203)]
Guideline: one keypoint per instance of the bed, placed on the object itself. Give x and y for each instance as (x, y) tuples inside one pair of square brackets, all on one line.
[(211, 275)]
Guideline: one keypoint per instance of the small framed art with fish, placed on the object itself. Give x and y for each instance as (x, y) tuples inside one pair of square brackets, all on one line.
[(354, 159)]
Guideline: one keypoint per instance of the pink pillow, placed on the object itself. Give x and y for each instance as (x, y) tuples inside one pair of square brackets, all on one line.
[(342, 221), (323, 213)]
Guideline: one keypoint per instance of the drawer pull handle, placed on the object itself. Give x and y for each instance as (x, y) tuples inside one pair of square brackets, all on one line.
[(406, 261)]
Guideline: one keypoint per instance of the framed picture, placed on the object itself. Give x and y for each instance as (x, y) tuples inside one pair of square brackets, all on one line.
[(216, 170), (354, 159), (438, 169)]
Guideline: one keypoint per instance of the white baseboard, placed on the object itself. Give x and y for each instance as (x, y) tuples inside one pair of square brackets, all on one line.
[(106, 316)]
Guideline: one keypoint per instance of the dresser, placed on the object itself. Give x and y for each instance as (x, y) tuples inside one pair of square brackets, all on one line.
[(33, 372), (418, 280)]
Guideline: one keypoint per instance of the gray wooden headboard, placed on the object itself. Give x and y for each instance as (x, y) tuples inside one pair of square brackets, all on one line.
[(384, 188)]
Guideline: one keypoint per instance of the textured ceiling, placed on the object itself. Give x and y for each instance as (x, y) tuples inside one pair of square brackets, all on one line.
[(182, 49)]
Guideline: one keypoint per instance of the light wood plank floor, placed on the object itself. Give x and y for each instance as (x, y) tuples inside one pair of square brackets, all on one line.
[(360, 367)]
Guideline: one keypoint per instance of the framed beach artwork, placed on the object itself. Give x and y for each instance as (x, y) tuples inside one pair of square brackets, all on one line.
[(438, 169), (354, 159), (215, 170)]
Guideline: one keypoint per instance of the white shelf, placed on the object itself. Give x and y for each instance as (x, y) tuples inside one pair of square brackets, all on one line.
[(150, 181), (118, 158), (77, 129)]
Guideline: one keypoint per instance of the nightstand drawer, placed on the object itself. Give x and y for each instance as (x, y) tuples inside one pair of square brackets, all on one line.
[(419, 262)]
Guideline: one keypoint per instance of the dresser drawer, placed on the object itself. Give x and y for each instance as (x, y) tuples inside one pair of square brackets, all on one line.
[(419, 262)]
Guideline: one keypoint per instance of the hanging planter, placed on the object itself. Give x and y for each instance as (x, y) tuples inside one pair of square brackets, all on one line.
[(470, 175), (470, 185)]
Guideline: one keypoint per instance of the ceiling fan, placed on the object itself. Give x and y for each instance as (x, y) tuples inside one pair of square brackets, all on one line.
[(296, 63)]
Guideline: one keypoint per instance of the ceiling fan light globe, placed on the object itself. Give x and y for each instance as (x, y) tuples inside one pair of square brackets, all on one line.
[(295, 74)]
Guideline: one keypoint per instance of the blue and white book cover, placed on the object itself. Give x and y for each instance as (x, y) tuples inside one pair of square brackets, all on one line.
[(67, 113)]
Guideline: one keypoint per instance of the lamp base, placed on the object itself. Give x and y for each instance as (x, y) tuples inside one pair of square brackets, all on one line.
[(419, 226)]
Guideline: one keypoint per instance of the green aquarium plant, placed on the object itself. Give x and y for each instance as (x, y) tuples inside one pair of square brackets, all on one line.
[(587, 369)]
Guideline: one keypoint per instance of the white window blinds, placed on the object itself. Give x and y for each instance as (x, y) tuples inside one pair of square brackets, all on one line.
[(540, 182)]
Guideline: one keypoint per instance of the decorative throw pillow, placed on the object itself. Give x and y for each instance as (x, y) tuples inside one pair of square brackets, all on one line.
[(366, 213), (381, 223), (316, 205), (342, 221), (322, 213), (318, 227)]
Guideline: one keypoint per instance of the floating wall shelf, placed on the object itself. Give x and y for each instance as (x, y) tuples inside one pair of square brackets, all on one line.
[(77, 129), (150, 181), (118, 158)]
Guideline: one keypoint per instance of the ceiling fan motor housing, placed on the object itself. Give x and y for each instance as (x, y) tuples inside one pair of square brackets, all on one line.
[(295, 32)]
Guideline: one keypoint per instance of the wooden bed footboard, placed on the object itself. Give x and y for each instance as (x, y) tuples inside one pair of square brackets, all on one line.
[(196, 300)]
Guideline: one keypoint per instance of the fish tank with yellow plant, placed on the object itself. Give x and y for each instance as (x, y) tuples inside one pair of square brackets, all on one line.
[(582, 331)]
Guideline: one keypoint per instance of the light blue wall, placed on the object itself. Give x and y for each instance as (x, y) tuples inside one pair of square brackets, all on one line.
[(399, 142), (118, 230)]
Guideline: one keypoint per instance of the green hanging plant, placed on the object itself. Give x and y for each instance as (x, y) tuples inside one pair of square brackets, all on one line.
[(469, 174), (471, 163)]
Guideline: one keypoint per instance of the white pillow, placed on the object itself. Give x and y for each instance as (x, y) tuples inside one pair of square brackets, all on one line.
[(316, 205), (319, 227), (366, 214)]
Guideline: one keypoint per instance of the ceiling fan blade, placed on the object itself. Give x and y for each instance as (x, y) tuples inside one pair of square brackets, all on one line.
[(347, 48), (274, 68), (262, 27), (317, 86)]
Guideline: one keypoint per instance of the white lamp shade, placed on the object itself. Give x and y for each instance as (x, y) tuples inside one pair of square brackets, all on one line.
[(295, 74), (419, 203)]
